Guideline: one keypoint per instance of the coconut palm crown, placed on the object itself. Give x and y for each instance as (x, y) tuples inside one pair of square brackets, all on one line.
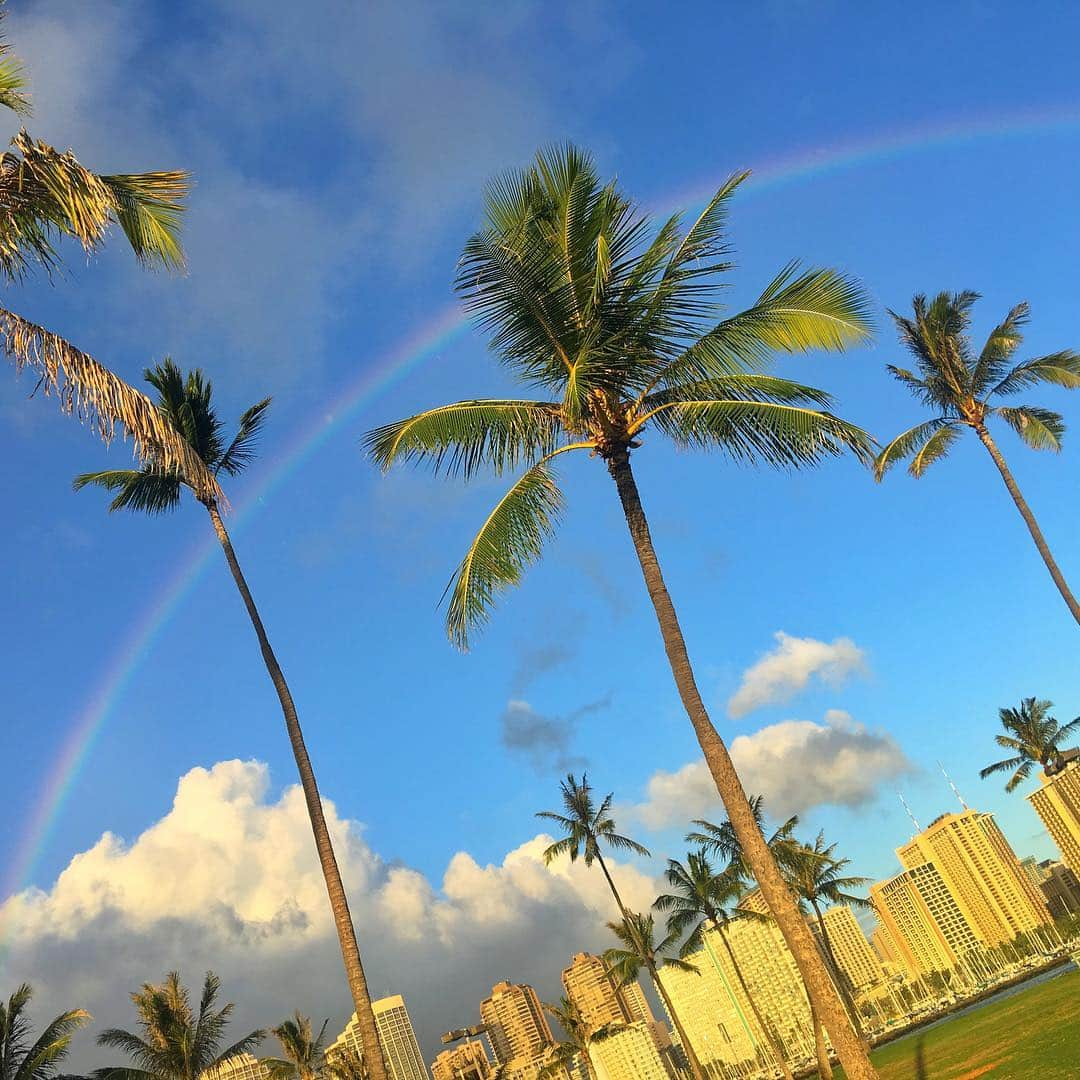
[(722, 841), (22, 1057), (177, 1042), (587, 824), (1033, 736), (303, 1053), (963, 389), (626, 334)]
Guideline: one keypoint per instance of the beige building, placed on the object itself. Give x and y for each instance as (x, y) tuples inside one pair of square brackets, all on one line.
[(982, 872), (1057, 802), (241, 1067), (1061, 888), (469, 1061), (857, 961), (396, 1037), (589, 986), (715, 1010), (516, 1025), (886, 946), (922, 920), (629, 1054)]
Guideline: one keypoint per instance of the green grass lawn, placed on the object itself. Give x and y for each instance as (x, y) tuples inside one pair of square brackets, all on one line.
[(1034, 1033)]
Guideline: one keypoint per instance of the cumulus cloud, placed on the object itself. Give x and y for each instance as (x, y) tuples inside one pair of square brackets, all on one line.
[(228, 880), (545, 739), (796, 765), (780, 674)]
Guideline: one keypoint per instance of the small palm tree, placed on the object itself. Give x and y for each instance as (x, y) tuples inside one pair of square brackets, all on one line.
[(624, 335), (1034, 737), (303, 1055), (21, 1056), (962, 389), (576, 1046), (640, 949), (702, 897), (177, 1043), (187, 404), (46, 196), (722, 841), (817, 876), (587, 826), (344, 1063)]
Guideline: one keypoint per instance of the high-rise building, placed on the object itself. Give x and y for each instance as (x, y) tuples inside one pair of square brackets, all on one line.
[(629, 1054), (886, 946), (516, 1023), (1060, 886), (1057, 802), (715, 1011), (396, 1037), (856, 959), (982, 873), (589, 986), (469, 1061), (922, 919), (241, 1067)]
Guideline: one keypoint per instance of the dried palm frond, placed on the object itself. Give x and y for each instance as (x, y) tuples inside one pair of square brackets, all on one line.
[(95, 395)]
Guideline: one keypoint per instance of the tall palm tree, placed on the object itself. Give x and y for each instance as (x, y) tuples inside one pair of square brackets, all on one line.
[(624, 335), (703, 897), (177, 1043), (187, 404), (21, 1056), (640, 949), (963, 388), (303, 1054), (1034, 737), (578, 1040), (817, 877), (587, 826), (721, 840), (46, 196)]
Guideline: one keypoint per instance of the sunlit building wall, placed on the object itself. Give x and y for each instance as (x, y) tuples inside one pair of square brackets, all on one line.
[(982, 872), (853, 953), (1057, 802), (241, 1067), (396, 1037), (469, 1061), (629, 1054), (516, 1025)]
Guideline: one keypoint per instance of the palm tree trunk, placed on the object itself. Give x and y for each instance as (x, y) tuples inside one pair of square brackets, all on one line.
[(339, 904), (838, 974), (796, 932), (777, 1052), (611, 885), (688, 1049), (821, 1051), (1029, 520)]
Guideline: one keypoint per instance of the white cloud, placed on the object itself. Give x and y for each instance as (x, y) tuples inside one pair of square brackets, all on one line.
[(228, 880), (796, 765), (779, 675)]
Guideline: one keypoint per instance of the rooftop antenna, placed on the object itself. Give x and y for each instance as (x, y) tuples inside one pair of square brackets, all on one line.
[(959, 797), (900, 796)]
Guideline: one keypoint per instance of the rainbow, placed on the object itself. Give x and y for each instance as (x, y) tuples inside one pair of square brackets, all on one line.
[(396, 365)]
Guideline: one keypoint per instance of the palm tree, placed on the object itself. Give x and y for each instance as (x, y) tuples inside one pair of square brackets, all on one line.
[(176, 1042), (344, 1063), (962, 390), (579, 1038), (816, 876), (187, 404), (704, 897), (640, 949), (21, 1058), (303, 1056), (722, 841), (622, 333), (1035, 738), (587, 827), (46, 196)]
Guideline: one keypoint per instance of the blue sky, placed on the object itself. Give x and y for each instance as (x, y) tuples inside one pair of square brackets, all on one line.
[(339, 159)]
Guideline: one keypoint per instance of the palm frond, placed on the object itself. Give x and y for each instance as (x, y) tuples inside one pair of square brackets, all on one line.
[(241, 451), (12, 81), (88, 390), (907, 443), (463, 437), (1059, 369), (144, 490), (509, 541), (149, 207), (771, 433), (1041, 429), (1002, 343), (934, 449)]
